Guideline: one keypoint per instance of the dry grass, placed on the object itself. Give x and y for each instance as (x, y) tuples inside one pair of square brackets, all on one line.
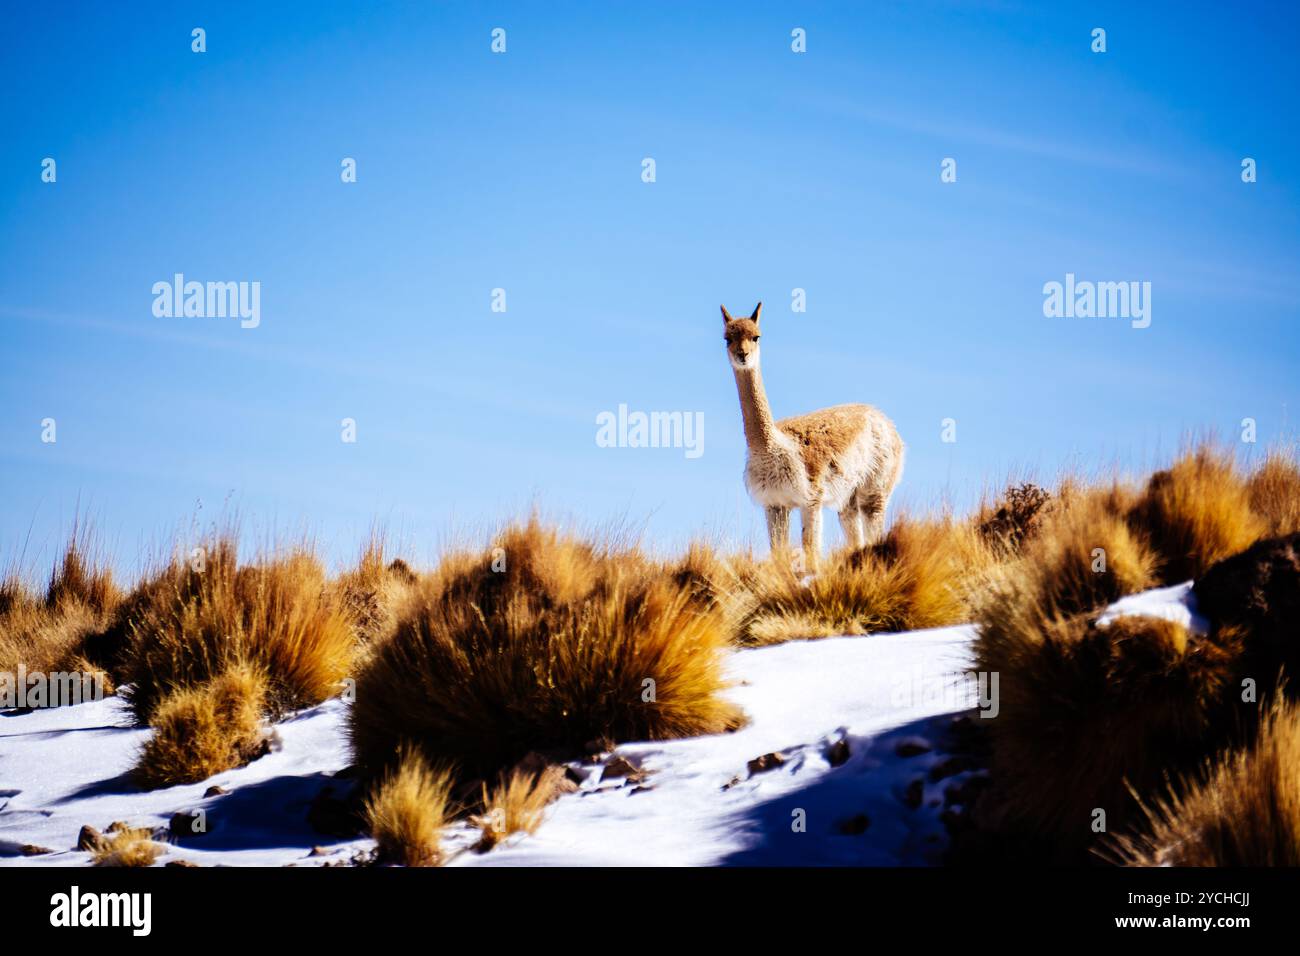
[(49, 633), (918, 576), (129, 846), (206, 729), (516, 805), (1273, 490), (1015, 519), (81, 579), (1085, 711), (408, 810), (1244, 811), (186, 626), (1197, 512), (372, 591), (1086, 554), (567, 642)]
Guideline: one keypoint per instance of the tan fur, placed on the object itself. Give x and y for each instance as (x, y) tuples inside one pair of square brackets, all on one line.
[(848, 457)]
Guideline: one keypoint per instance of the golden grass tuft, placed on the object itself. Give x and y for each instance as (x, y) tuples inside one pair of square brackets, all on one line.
[(372, 591), (918, 576), (1273, 489), (78, 578), (516, 804), (543, 642), (129, 846), (205, 729), (49, 633), (1197, 512), (1244, 811), (1085, 554), (408, 810), (189, 624), (1085, 711)]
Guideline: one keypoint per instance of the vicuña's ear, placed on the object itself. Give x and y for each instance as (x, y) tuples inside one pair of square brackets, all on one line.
[(758, 310), (726, 316)]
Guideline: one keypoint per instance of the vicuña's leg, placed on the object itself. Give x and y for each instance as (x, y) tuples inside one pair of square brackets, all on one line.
[(851, 522), (873, 517), (811, 518), (874, 523), (871, 502), (778, 529)]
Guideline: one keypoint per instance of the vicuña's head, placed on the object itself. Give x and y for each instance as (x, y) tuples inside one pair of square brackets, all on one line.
[(742, 338)]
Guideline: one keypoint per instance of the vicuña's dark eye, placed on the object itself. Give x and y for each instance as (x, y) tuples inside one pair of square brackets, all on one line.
[(757, 337)]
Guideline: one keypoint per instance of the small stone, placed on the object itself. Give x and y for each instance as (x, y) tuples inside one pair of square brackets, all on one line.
[(333, 816), (31, 849), (965, 791), (184, 863), (951, 766), (620, 766), (89, 838), (319, 851), (911, 748), (215, 791), (576, 775), (838, 754), (186, 825), (855, 825), (765, 763)]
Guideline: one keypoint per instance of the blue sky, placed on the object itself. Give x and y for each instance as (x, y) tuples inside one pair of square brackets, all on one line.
[(774, 171)]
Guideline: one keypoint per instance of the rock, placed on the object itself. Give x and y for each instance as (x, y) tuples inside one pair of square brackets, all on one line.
[(215, 791), (620, 766), (334, 816), (965, 791), (855, 825), (576, 775), (914, 794), (1258, 590), (731, 783), (319, 851), (89, 838), (838, 753), (764, 763), (951, 766), (911, 748), (562, 783), (184, 863), (187, 825), (31, 849)]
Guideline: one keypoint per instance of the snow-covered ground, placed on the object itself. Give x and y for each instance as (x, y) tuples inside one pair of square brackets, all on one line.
[(861, 776)]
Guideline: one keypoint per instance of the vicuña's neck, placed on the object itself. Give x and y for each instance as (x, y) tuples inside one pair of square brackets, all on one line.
[(759, 430)]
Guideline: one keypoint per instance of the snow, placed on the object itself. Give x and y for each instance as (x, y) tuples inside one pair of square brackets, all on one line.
[(1176, 603), (889, 698)]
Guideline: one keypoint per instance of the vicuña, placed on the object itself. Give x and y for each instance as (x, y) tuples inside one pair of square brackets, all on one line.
[(848, 457)]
